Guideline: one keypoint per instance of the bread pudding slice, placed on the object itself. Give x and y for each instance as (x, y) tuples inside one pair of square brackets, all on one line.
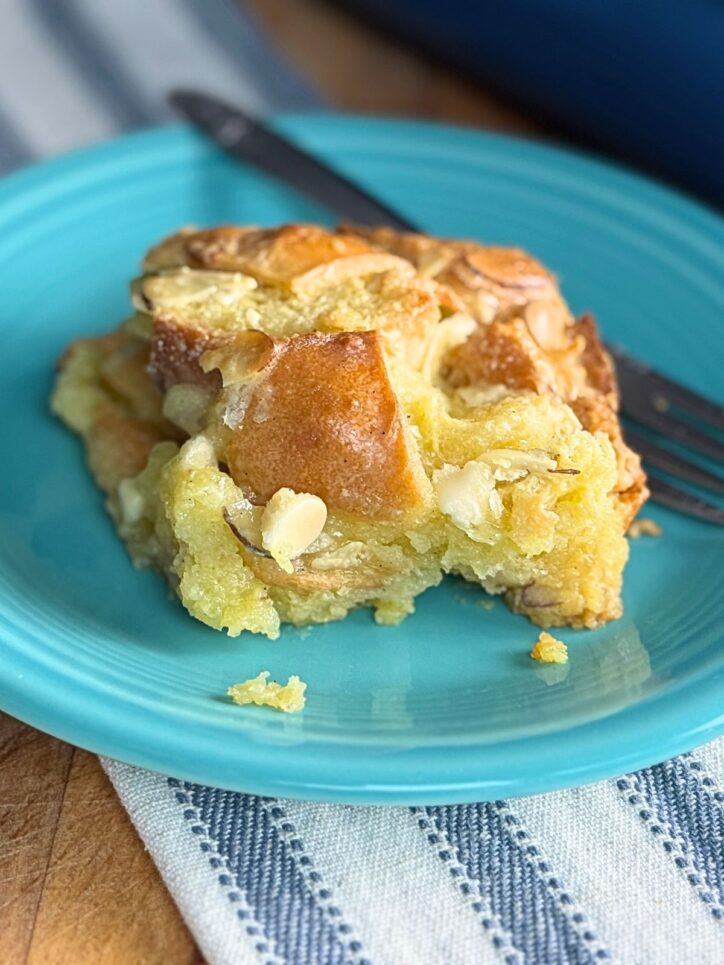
[(297, 422)]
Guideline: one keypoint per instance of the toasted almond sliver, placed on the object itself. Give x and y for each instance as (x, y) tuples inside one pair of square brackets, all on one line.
[(186, 285), (198, 453), (290, 523), (131, 501), (464, 494), (240, 357), (350, 266), (447, 334)]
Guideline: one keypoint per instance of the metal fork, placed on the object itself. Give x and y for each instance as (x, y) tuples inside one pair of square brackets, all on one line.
[(666, 412), (653, 403)]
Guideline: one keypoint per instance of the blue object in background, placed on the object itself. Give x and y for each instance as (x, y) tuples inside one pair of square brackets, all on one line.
[(643, 80)]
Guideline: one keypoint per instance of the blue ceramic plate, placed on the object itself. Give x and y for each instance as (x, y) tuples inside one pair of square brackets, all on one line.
[(448, 707)]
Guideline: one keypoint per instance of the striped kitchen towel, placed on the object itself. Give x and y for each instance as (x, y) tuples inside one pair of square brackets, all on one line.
[(629, 870), (77, 71)]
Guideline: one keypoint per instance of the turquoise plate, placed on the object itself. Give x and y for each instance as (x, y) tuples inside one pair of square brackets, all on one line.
[(448, 707)]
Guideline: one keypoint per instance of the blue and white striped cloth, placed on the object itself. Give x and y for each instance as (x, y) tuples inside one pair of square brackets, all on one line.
[(629, 870), (77, 71)]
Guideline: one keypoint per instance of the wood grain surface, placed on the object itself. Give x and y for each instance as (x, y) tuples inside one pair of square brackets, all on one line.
[(360, 69), (76, 885)]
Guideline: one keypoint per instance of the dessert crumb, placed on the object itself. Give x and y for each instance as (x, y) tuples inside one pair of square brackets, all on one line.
[(549, 650), (486, 604), (644, 527), (259, 690)]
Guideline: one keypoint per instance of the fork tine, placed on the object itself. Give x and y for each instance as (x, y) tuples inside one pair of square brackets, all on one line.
[(684, 502), (662, 392), (670, 462), (669, 426)]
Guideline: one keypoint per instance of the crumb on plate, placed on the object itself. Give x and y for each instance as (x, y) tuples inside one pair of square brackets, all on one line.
[(549, 650), (644, 527), (259, 690)]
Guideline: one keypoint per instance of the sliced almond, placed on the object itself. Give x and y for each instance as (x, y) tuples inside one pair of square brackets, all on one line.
[(509, 465), (274, 256), (508, 267), (198, 453), (243, 519), (290, 523), (476, 396), (131, 501), (240, 357), (319, 581), (350, 266), (186, 285), (537, 596), (446, 335), (465, 495)]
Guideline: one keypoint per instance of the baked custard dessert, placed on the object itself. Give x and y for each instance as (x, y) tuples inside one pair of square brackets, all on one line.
[(299, 421)]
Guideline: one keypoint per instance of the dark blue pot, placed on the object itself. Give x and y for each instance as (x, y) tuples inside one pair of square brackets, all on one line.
[(643, 79)]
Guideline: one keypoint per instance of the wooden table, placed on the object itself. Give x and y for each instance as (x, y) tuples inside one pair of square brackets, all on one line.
[(76, 885)]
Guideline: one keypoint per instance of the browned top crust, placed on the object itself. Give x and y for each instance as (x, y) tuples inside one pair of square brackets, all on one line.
[(322, 417), (526, 340), (333, 282), (487, 281), (281, 256), (502, 352)]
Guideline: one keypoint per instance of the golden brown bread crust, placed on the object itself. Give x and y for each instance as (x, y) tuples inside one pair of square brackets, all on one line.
[(175, 351), (118, 447), (597, 408), (121, 422), (502, 352), (345, 442), (597, 363)]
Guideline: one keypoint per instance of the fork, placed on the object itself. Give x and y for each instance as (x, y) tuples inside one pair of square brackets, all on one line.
[(664, 419), (666, 412)]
